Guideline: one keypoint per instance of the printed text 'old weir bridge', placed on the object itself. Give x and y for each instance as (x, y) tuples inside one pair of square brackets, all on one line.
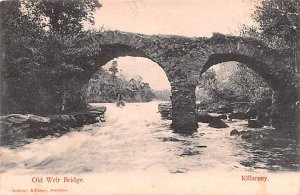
[(185, 59)]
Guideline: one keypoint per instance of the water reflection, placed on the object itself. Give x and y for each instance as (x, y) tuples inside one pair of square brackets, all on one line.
[(272, 152)]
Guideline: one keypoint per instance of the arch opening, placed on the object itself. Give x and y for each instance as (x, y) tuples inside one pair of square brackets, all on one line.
[(234, 86), (258, 67), (76, 88), (137, 79)]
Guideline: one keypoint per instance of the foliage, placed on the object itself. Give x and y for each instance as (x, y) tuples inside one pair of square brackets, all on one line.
[(63, 16), (278, 20), (248, 85), (104, 87), (243, 88), (31, 50), (38, 62), (114, 69), (22, 39), (279, 27), (208, 83)]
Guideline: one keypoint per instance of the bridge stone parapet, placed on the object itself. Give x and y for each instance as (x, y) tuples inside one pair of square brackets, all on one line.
[(185, 59)]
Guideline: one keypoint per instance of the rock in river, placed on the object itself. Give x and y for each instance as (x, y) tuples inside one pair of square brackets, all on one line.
[(165, 110), (252, 113), (263, 118), (15, 119), (234, 132), (217, 123), (254, 124)]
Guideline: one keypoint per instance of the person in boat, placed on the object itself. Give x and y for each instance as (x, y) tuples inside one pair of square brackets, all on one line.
[(120, 100)]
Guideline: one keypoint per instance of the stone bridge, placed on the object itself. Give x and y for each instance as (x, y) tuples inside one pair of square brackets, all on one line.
[(185, 59)]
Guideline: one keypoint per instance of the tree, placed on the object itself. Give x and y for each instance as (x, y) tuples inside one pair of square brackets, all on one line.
[(37, 62), (279, 25), (248, 84), (62, 16), (114, 69), (277, 21), (22, 40), (102, 87)]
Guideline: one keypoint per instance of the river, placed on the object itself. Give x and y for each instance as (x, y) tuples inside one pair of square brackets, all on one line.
[(135, 139)]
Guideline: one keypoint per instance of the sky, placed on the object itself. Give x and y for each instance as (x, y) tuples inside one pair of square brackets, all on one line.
[(179, 17), (191, 18)]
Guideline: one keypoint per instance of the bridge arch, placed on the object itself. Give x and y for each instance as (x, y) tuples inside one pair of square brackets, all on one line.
[(107, 52), (267, 63), (252, 63), (112, 51), (185, 59)]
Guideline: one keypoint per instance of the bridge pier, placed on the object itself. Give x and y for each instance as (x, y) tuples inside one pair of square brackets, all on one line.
[(183, 100), (285, 113)]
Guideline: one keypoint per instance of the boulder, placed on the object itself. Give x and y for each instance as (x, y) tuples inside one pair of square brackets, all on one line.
[(238, 115), (165, 110), (38, 132), (3, 127), (165, 114), (72, 121), (81, 119), (17, 127), (99, 113), (164, 106), (64, 120), (204, 118), (234, 132), (252, 113), (172, 139), (91, 118), (97, 108), (217, 123), (254, 124), (38, 121), (15, 120), (263, 118)]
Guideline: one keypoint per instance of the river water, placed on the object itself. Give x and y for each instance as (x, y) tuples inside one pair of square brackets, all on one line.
[(135, 138)]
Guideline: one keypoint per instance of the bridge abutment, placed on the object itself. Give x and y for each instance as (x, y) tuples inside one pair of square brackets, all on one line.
[(184, 108)]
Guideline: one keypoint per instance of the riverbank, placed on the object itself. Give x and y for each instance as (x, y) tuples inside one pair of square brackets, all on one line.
[(16, 129)]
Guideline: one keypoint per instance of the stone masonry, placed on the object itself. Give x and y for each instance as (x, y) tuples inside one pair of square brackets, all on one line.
[(185, 59)]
